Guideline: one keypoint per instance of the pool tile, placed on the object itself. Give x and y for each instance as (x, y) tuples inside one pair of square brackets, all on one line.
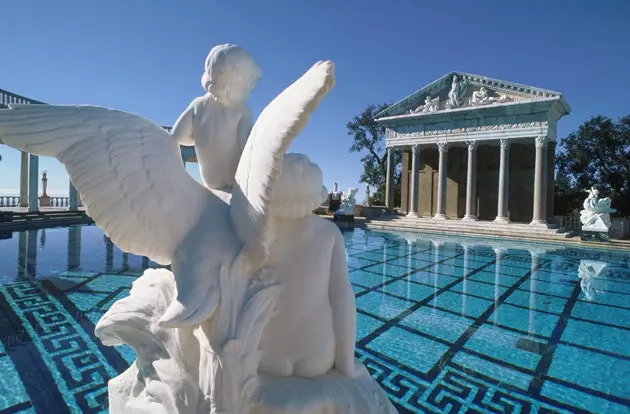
[(366, 325), (599, 313), (366, 279), (408, 290), (387, 270), (528, 321), (382, 305), (456, 302), (416, 351), (597, 336), (498, 372), (591, 370), (485, 290), (581, 399), (12, 391), (437, 323), (502, 344), (489, 276), (537, 301), (432, 279), (556, 289)]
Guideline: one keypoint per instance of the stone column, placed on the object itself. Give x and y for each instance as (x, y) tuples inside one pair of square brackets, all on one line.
[(389, 199), (471, 182), (413, 188), (74, 200), (539, 210), (33, 183), (24, 179), (441, 198), (504, 181)]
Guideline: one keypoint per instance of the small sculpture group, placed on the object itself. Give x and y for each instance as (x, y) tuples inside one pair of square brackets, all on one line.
[(595, 216), (256, 314), (348, 201)]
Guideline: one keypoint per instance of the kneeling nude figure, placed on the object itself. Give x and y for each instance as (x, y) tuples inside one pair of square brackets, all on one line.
[(314, 329)]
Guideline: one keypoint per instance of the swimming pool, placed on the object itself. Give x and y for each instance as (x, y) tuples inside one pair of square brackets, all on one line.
[(445, 324)]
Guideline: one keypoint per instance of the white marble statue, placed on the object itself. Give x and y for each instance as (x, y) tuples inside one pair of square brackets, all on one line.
[(480, 97), (592, 282), (430, 105), (456, 94), (596, 213), (348, 201), (219, 122), (199, 329)]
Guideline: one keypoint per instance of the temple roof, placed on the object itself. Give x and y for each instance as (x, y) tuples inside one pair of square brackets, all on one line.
[(460, 91)]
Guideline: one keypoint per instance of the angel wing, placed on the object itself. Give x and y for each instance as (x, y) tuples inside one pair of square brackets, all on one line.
[(260, 164), (128, 171)]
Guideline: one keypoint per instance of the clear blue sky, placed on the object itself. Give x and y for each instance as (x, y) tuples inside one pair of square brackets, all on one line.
[(147, 57)]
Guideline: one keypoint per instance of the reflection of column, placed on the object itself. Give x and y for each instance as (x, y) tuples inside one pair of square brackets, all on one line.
[(109, 255), (471, 182), (23, 179), (125, 261), (441, 198), (42, 238), (504, 180), (74, 247), (389, 199), (21, 273), (145, 263), (436, 259), (31, 253), (532, 290), (465, 280), (33, 203), (539, 216), (383, 278), (498, 253), (413, 192), (74, 199), (409, 267)]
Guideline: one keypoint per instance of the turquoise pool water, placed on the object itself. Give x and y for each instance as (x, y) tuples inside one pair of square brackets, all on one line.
[(445, 324)]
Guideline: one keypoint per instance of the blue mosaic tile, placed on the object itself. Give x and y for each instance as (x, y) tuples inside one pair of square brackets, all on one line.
[(591, 370), (598, 336), (611, 298), (432, 279), (501, 344), (485, 290), (599, 313), (367, 279), (529, 321), (581, 399), (408, 290), (382, 305), (538, 286), (537, 301), (436, 323), (458, 303), (492, 370), (417, 352), (12, 391), (366, 325), (387, 270)]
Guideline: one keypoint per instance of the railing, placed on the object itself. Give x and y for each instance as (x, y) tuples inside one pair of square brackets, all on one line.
[(7, 98), (9, 201), (14, 201)]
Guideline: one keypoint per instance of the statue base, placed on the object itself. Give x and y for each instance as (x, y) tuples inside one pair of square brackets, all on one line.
[(44, 201), (343, 220), (595, 236)]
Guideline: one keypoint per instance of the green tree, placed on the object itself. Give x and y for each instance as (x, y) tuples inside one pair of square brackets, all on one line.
[(368, 139), (597, 154)]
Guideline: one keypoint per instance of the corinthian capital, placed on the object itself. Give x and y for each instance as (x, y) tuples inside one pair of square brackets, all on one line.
[(541, 141)]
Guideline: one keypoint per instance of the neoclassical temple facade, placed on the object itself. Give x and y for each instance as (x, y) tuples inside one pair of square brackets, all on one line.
[(475, 148)]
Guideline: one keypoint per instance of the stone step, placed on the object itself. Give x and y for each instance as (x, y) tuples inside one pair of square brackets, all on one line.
[(513, 230)]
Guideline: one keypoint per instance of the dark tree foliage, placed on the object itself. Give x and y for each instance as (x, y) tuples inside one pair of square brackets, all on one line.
[(597, 154), (368, 139)]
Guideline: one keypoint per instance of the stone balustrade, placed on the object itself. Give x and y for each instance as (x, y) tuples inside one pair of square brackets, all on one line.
[(7, 98), (14, 201)]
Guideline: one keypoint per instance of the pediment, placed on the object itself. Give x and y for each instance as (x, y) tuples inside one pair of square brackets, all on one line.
[(459, 90)]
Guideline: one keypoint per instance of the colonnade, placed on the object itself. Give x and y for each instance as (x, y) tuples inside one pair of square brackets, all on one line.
[(539, 216)]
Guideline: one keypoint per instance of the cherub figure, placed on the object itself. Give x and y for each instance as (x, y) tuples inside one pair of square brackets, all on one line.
[(219, 122), (314, 328)]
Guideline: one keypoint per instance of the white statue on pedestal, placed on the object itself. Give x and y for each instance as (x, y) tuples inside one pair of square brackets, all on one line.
[(596, 213), (199, 331), (348, 201)]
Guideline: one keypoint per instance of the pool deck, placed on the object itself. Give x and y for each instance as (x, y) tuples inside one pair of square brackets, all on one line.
[(45, 217)]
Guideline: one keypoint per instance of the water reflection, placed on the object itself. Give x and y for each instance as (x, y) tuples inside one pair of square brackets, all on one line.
[(592, 281)]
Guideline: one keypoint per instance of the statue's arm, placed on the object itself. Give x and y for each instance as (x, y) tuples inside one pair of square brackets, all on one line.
[(343, 309), (183, 131)]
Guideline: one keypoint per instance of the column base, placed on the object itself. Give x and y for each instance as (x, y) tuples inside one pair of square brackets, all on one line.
[(538, 222), (439, 216), (412, 214), (469, 217), (501, 220)]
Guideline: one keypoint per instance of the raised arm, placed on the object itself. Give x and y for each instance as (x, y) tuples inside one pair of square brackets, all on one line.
[(183, 131), (343, 309)]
